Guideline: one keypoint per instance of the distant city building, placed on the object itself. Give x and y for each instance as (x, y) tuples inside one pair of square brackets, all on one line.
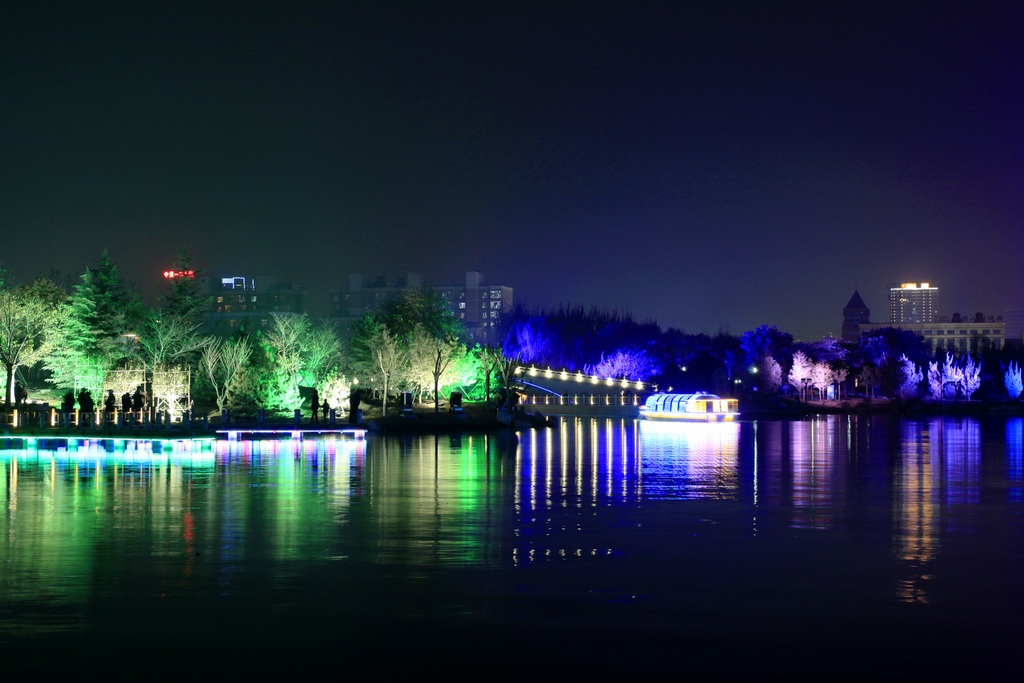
[(241, 302), (855, 314), (910, 302), (1014, 319), (913, 308), (954, 337), (478, 306)]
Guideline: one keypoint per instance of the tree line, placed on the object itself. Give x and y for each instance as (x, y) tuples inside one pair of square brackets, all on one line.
[(97, 334)]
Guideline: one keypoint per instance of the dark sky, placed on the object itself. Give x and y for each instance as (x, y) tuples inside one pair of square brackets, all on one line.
[(706, 165)]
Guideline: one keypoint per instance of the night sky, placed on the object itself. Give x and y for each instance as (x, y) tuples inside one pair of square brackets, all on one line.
[(705, 165)]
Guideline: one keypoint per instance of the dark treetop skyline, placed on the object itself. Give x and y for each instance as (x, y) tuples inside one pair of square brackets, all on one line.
[(705, 165)]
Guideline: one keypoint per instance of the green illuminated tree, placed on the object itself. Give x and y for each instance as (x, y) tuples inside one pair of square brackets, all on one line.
[(321, 354), (97, 328), (286, 339)]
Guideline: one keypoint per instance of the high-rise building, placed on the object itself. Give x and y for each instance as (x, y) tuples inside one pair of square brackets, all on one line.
[(912, 302), (478, 306), (239, 302)]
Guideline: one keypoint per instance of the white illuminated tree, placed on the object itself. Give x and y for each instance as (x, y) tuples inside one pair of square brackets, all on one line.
[(971, 377), (821, 377), (1012, 380), (800, 372), (26, 323), (771, 374), (952, 377), (934, 380), (224, 364)]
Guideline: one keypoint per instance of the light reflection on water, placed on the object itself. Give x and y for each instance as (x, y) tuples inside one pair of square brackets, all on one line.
[(834, 519)]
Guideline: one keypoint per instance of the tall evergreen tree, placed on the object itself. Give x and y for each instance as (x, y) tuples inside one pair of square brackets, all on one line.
[(185, 299), (96, 327)]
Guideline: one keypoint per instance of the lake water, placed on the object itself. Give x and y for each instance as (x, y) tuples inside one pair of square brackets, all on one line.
[(831, 547)]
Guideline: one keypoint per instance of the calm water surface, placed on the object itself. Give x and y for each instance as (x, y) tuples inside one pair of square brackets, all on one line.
[(835, 547)]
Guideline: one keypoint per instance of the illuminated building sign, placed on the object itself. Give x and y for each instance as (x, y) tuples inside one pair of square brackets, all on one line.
[(174, 274)]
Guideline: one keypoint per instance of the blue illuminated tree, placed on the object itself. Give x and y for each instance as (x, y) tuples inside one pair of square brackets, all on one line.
[(910, 378), (1012, 381)]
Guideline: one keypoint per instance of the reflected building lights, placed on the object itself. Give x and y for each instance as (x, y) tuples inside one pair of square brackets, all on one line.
[(915, 509)]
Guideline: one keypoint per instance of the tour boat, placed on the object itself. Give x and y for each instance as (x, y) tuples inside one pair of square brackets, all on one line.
[(700, 407)]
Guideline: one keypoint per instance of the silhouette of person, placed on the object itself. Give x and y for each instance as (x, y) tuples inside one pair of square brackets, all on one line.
[(327, 410), (138, 403), (20, 395), (68, 405), (314, 408), (110, 403), (126, 403), (85, 402), (353, 406)]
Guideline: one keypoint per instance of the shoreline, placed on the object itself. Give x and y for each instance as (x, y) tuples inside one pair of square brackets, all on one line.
[(481, 420)]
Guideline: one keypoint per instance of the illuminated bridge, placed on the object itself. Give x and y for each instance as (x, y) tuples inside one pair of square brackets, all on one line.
[(567, 392)]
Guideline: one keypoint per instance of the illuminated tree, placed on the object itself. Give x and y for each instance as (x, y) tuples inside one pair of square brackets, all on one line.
[(761, 347), (821, 377), (445, 353), (464, 375), (952, 377), (336, 389), (770, 375), (283, 352), (224, 366), (171, 341), (26, 324), (418, 368), (634, 364), (935, 380), (800, 373), (390, 360), (910, 379), (531, 340), (490, 362), (884, 348), (96, 330), (169, 345), (321, 354), (116, 310), (507, 367), (971, 377), (1012, 381), (763, 342)]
